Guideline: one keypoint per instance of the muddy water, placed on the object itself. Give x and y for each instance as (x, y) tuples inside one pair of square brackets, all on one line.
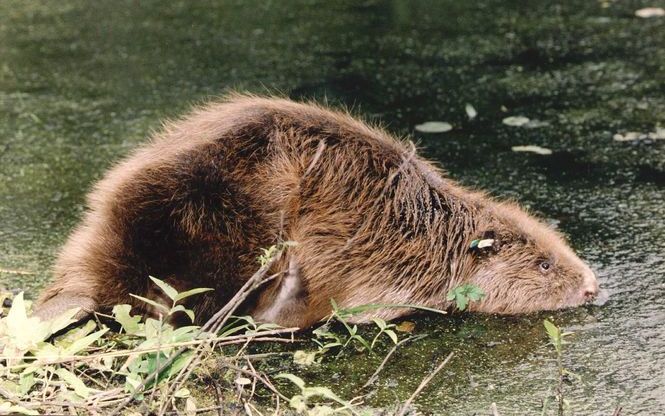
[(82, 83)]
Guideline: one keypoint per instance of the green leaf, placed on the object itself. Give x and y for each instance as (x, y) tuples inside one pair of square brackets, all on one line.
[(70, 378), (464, 294), (151, 302), (26, 381), (298, 403), (476, 293), (179, 363), (170, 291), (75, 334), (84, 342), (129, 323), (332, 345), (24, 333), (181, 308), (324, 392), (230, 330), (552, 331), (7, 408), (293, 379), (267, 327), (380, 323), (192, 292), (392, 335)]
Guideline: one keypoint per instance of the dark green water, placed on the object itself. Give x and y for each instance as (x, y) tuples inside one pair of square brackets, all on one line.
[(81, 83)]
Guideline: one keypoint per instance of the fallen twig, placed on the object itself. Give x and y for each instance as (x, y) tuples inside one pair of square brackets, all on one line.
[(374, 376), (423, 384)]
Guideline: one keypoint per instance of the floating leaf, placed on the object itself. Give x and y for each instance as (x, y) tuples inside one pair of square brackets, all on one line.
[(434, 127), (406, 326), (533, 149), (650, 12), (470, 111), (658, 134), (629, 136), (532, 124), (515, 121)]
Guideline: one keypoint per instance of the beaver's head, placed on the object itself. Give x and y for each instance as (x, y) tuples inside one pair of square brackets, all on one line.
[(525, 266)]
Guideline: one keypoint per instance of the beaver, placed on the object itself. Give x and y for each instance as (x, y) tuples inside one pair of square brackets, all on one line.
[(371, 223)]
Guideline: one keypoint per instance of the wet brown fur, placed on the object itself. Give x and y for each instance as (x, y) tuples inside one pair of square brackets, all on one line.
[(373, 222)]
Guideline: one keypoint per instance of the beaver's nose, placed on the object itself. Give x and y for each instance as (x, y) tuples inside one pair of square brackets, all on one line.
[(589, 286)]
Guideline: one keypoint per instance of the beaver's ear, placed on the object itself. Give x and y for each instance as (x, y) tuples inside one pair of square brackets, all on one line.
[(507, 239)]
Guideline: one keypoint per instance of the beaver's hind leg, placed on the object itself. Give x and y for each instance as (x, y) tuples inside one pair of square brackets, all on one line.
[(88, 272)]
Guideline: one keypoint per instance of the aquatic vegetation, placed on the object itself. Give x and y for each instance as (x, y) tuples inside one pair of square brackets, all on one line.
[(90, 368), (558, 339)]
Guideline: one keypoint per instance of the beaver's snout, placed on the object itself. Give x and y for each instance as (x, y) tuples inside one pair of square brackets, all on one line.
[(589, 289)]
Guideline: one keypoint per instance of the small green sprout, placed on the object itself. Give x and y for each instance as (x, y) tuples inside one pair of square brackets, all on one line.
[(267, 254), (558, 340), (464, 294), (175, 297)]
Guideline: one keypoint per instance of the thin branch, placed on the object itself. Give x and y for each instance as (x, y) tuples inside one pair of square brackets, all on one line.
[(374, 376), (423, 384)]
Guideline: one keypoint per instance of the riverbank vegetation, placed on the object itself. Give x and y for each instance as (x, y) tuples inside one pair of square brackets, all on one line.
[(122, 364)]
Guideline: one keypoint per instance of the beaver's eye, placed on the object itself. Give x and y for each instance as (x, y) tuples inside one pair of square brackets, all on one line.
[(545, 266)]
